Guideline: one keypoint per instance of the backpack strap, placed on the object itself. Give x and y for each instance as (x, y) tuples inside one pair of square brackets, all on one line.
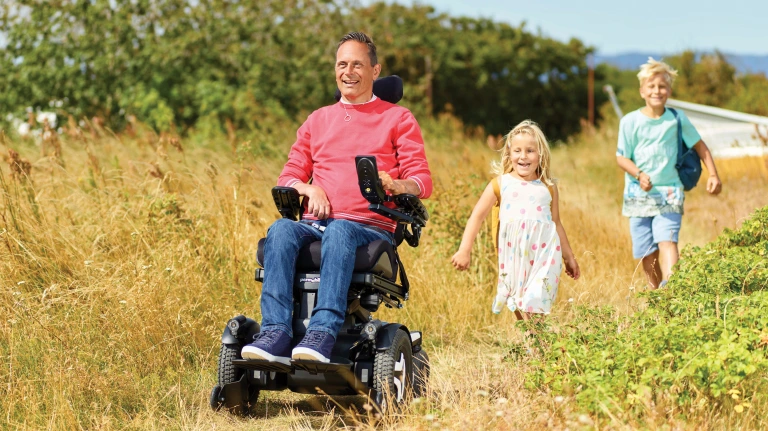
[(496, 189), (680, 144)]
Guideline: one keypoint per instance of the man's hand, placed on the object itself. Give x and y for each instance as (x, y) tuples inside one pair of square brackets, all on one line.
[(389, 184), (645, 182), (317, 202), (714, 185), (398, 187)]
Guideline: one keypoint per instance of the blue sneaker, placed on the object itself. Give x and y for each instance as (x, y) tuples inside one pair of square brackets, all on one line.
[(271, 345), (316, 346)]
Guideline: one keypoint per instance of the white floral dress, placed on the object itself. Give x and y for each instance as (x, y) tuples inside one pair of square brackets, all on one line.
[(530, 259)]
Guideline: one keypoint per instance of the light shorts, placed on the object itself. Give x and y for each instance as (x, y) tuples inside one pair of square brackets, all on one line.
[(648, 232)]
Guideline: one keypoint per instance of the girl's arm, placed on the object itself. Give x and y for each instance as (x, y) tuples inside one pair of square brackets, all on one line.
[(713, 182), (487, 200), (571, 266)]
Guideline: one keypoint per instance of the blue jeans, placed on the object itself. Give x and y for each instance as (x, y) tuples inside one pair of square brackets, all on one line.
[(340, 240)]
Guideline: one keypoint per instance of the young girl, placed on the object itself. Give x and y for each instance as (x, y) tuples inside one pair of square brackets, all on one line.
[(532, 241)]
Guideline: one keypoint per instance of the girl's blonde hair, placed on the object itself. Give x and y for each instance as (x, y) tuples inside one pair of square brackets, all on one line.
[(654, 67), (531, 129)]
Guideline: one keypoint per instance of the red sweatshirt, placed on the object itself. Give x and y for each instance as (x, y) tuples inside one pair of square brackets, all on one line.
[(326, 147)]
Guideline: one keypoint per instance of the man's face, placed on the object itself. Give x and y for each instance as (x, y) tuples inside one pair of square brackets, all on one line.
[(354, 73), (655, 91)]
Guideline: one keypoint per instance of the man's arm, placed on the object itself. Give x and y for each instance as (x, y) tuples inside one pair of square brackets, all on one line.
[(415, 177), (398, 187), (297, 172)]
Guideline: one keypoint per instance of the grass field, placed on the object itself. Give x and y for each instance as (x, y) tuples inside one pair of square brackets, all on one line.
[(121, 258)]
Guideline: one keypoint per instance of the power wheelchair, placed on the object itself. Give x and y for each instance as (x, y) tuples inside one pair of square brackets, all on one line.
[(385, 361)]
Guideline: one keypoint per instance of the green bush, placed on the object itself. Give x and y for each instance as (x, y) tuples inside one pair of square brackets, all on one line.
[(701, 340)]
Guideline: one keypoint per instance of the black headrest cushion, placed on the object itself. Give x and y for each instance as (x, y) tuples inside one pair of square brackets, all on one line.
[(388, 88)]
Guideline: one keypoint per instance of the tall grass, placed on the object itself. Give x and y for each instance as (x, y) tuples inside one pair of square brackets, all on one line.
[(121, 258)]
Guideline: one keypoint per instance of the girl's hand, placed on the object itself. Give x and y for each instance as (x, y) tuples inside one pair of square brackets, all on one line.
[(461, 260), (572, 268)]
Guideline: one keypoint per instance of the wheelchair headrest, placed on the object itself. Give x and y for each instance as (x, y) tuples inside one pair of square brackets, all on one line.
[(388, 88)]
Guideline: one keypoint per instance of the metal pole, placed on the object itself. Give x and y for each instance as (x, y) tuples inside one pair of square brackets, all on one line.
[(614, 101), (591, 89)]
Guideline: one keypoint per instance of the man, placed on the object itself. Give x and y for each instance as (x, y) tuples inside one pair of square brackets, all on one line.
[(336, 213)]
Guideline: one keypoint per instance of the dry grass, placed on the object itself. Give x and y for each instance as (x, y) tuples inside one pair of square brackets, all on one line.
[(121, 260)]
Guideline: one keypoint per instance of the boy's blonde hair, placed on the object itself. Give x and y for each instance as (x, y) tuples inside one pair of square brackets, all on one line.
[(654, 67), (531, 129)]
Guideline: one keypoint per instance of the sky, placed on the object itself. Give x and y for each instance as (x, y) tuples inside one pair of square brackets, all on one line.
[(616, 26)]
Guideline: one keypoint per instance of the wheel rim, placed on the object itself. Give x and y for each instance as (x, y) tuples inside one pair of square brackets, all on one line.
[(400, 376)]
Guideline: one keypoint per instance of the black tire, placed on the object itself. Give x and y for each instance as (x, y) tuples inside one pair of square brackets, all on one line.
[(386, 373), (420, 373), (215, 400), (228, 373)]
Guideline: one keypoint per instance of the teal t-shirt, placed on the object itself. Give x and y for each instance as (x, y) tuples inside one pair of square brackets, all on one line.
[(652, 144)]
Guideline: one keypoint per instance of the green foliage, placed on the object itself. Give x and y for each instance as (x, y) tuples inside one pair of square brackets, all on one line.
[(258, 66), (705, 79), (750, 95), (701, 340)]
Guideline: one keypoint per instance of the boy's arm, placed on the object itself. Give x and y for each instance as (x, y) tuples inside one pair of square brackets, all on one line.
[(713, 182), (631, 168), (571, 266), (487, 200), (624, 152)]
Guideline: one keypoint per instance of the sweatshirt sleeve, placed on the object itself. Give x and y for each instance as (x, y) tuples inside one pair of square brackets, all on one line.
[(298, 168), (409, 145)]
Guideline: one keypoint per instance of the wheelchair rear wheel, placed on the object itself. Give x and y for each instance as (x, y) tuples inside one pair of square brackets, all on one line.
[(393, 373)]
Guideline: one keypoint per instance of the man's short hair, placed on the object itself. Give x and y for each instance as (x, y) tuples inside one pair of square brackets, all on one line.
[(655, 67), (357, 36)]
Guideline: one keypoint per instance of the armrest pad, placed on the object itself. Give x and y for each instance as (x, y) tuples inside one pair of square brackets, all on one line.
[(287, 202)]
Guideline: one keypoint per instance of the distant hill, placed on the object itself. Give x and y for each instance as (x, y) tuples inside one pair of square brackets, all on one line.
[(633, 60)]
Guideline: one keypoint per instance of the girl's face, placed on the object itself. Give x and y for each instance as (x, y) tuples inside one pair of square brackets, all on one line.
[(525, 156)]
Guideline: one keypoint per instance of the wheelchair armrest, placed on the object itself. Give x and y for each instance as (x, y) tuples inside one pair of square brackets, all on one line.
[(287, 202)]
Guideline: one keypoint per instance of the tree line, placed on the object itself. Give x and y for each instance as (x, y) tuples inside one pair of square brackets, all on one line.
[(705, 78), (252, 66)]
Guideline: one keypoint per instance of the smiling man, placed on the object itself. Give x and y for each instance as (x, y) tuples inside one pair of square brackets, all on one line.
[(335, 212)]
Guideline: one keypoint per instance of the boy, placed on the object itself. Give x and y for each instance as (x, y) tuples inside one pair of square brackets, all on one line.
[(653, 193)]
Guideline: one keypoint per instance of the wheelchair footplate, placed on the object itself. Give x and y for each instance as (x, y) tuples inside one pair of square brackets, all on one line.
[(262, 365), (339, 365)]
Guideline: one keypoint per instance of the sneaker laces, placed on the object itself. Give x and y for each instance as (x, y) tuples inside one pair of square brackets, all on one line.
[(270, 336), (314, 338)]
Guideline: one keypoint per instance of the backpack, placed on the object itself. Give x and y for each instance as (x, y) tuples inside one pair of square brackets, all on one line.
[(688, 162), (495, 223)]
